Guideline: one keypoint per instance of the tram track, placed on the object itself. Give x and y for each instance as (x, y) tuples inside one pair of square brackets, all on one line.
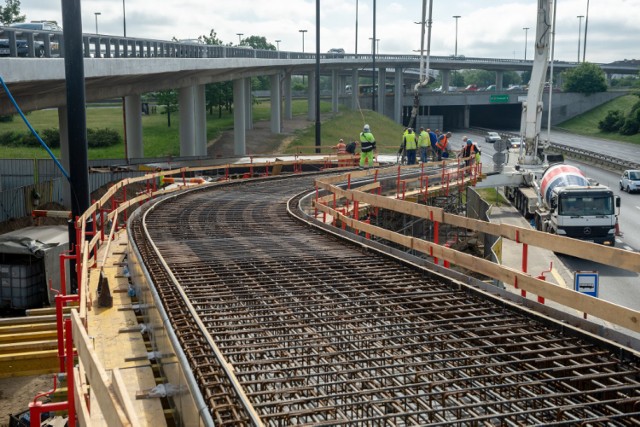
[(320, 332)]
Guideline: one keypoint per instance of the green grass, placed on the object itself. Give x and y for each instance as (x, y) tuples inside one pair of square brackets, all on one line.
[(159, 139), (492, 196), (348, 125), (587, 123)]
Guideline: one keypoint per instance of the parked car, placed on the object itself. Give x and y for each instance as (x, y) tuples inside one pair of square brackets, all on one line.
[(22, 45), (492, 137), (630, 181), (515, 142), (336, 52)]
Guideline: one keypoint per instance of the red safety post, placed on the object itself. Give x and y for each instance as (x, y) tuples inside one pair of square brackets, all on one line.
[(436, 239), (404, 189), (525, 257), (356, 214), (36, 409), (315, 214), (349, 181), (63, 275), (61, 300), (226, 173), (70, 383), (542, 277), (442, 179), (251, 165), (375, 175), (266, 169), (367, 235), (446, 262), (78, 254)]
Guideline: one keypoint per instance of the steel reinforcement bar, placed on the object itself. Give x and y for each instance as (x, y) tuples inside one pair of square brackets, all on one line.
[(322, 332)]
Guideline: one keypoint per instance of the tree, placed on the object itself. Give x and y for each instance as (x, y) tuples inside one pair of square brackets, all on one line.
[(257, 42), (168, 99), (586, 78), (11, 13)]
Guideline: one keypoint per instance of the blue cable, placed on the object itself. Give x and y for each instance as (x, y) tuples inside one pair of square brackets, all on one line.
[(15, 104)]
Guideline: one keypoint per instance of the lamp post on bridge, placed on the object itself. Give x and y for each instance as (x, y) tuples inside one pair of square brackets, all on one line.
[(278, 43), (526, 32), (302, 31), (239, 35), (97, 14), (455, 52)]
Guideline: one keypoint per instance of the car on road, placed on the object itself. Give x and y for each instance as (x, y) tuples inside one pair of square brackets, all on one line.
[(471, 88), (490, 88), (630, 181), (492, 137), (515, 142), (515, 88)]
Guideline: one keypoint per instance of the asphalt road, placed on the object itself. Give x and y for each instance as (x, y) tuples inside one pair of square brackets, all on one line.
[(618, 286)]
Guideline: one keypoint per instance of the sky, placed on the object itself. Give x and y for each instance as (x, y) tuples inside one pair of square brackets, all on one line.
[(486, 28)]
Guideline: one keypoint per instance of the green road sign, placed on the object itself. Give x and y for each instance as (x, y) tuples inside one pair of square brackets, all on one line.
[(499, 98)]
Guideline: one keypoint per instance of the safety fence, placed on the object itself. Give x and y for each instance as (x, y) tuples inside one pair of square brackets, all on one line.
[(95, 230), (336, 204)]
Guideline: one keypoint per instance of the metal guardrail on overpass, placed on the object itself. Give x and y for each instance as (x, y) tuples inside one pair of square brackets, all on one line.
[(110, 46)]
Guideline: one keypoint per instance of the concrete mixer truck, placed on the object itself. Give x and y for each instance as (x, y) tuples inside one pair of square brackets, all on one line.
[(564, 202)]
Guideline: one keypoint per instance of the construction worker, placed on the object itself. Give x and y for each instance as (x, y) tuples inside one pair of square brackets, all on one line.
[(409, 141), (424, 143), (340, 147), (442, 145), (433, 138), (367, 147)]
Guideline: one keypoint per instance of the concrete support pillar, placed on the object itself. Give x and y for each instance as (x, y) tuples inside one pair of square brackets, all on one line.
[(467, 116), (335, 93), (382, 90), (133, 126), (276, 104), (446, 80), (248, 104), (355, 83), (200, 117), (311, 114), (398, 96), (499, 78), (286, 88), (64, 155), (186, 102), (239, 117)]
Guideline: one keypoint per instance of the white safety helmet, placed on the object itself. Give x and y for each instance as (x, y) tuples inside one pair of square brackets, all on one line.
[(367, 128)]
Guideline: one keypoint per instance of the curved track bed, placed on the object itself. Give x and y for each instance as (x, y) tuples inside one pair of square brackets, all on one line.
[(321, 332)]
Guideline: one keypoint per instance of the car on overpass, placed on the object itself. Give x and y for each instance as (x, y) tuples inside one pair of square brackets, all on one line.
[(22, 45), (336, 52)]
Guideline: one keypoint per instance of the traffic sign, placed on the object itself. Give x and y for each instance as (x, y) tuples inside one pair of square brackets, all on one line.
[(500, 145), (503, 98), (496, 248), (586, 282)]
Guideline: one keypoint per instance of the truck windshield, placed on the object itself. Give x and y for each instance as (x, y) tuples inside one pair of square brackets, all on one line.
[(586, 205)]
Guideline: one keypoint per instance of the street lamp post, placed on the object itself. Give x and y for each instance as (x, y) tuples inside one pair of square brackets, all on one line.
[(278, 43), (455, 54), (124, 20), (97, 13), (586, 22), (526, 32), (302, 31), (579, 32), (356, 27), (239, 35)]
